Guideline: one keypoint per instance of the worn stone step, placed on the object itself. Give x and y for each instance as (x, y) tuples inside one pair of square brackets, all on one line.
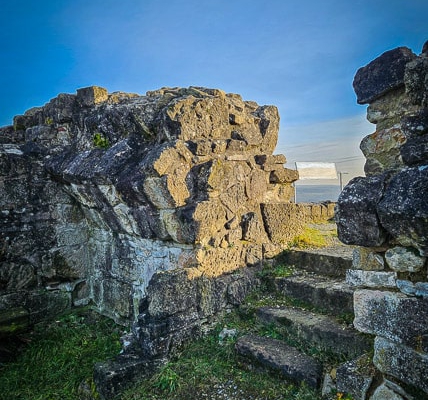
[(277, 355), (332, 264), (320, 330), (332, 295)]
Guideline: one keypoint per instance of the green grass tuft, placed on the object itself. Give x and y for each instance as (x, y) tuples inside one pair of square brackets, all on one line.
[(59, 357), (310, 237)]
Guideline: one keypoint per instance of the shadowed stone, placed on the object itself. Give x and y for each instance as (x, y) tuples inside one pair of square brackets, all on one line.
[(277, 355), (382, 74), (319, 330)]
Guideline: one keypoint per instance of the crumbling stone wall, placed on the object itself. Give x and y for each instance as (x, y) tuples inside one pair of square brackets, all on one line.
[(386, 213), (99, 191)]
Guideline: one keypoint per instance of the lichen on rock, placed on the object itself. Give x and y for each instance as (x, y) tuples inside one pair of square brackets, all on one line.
[(101, 191)]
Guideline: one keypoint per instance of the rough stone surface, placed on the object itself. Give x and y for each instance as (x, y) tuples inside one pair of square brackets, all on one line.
[(401, 362), (391, 315), (403, 209), (387, 213), (355, 378), (356, 216), (371, 279), (383, 392), (113, 377), (333, 295), (334, 265), (382, 75), (277, 355), (318, 330), (177, 307), (99, 191), (402, 259), (367, 259)]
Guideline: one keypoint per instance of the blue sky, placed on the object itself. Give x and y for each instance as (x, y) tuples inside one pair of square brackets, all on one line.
[(298, 55)]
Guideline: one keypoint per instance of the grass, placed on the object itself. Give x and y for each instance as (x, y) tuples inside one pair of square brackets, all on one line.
[(206, 366), (59, 357), (310, 237)]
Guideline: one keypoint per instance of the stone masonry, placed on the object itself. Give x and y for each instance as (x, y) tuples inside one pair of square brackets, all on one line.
[(100, 192), (386, 213)]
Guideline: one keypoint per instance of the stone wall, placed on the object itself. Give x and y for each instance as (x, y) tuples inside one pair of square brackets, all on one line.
[(319, 212), (99, 192), (386, 213)]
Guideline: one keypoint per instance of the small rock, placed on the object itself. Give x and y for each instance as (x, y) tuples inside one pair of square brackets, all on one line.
[(352, 379), (227, 334), (404, 259), (385, 393), (367, 259), (406, 287)]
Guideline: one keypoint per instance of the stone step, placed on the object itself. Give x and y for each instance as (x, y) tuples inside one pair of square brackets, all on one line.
[(319, 262), (320, 330), (277, 355), (331, 295)]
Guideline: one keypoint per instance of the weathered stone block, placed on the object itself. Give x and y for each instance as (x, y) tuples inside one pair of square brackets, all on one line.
[(355, 378), (283, 221), (91, 95), (403, 209), (416, 81), (406, 287), (383, 392), (402, 362), (394, 316), (284, 175), (372, 279), (368, 259), (382, 74), (382, 150), (404, 259), (415, 150), (356, 212)]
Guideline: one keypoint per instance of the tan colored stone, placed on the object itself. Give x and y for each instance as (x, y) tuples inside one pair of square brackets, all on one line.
[(283, 175), (368, 259), (256, 185), (283, 221), (92, 95)]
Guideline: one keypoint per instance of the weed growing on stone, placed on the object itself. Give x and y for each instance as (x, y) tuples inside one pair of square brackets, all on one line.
[(276, 271), (100, 141), (59, 357)]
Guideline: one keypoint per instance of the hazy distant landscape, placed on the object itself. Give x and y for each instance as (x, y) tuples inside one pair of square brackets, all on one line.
[(316, 193)]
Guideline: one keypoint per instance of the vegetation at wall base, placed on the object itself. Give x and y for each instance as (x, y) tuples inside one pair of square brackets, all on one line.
[(59, 356)]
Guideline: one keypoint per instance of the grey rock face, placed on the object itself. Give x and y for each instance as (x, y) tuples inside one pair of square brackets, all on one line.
[(381, 75), (403, 259), (391, 315), (99, 191), (276, 355), (356, 216), (401, 362), (387, 213), (403, 209)]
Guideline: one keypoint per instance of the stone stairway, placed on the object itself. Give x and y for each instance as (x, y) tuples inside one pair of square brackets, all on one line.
[(310, 336)]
